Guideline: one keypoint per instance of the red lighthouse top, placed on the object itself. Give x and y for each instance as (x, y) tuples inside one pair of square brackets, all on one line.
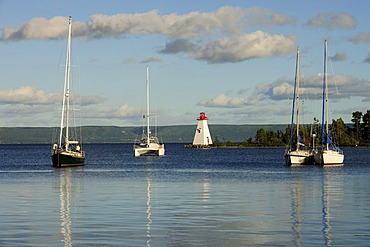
[(202, 116)]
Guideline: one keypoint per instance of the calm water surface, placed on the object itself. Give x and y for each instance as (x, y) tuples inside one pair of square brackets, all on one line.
[(190, 197)]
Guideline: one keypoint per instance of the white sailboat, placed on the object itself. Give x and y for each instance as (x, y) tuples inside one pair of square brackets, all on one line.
[(301, 154), (329, 154), (149, 143), (67, 152)]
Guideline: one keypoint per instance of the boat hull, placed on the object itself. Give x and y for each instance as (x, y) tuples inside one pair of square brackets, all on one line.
[(151, 150), (329, 158), (67, 159), (298, 157)]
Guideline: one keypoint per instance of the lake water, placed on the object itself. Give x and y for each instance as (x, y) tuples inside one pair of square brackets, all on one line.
[(190, 197)]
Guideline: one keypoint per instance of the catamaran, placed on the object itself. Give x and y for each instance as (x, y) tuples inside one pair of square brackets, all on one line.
[(329, 154), (149, 143), (300, 154), (67, 152)]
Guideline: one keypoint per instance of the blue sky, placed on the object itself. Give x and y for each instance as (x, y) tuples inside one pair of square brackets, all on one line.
[(234, 60)]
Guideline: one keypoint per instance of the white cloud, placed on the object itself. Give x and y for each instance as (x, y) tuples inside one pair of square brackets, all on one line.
[(26, 95), (223, 101), (338, 57), (195, 33), (311, 86), (178, 46), (242, 47), (38, 28), (332, 21), (360, 38), (151, 59), (282, 89), (110, 112), (187, 26)]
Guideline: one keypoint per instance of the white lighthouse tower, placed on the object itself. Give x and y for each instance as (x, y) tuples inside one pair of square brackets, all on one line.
[(202, 137)]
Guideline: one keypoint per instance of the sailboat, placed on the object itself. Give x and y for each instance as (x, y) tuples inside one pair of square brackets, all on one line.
[(67, 152), (149, 143), (329, 154), (301, 154)]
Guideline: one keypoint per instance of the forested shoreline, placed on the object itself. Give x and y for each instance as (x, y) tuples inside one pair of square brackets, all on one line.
[(342, 135)]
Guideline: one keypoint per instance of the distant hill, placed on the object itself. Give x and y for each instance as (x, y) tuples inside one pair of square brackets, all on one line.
[(115, 134)]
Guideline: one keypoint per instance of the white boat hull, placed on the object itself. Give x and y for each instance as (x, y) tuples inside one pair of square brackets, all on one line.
[(156, 149), (298, 157), (329, 157)]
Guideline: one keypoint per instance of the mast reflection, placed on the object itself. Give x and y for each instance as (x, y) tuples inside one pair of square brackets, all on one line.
[(148, 209), (326, 191), (65, 204), (296, 197)]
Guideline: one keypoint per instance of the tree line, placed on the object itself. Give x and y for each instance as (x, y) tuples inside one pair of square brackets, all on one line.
[(355, 134)]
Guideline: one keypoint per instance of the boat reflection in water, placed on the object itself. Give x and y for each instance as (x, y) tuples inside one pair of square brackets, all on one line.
[(148, 209), (330, 190), (65, 185), (296, 202), (305, 201)]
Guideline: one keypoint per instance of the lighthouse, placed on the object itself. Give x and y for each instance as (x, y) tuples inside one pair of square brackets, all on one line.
[(202, 137)]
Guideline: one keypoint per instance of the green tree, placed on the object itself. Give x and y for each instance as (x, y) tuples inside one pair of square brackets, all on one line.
[(229, 143), (286, 135), (366, 127), (356, 120), (272, 139), (216, 141), (247, 142), (261, 137), (340, 133)]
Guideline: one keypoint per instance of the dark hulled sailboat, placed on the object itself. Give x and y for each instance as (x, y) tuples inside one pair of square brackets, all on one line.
[(67, 152)]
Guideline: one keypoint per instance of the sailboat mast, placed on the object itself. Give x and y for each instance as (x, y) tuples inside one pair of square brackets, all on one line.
[(147, 105), (324, 123), (65, 104), (298, 78), (68, 80), (326, 94), (294, 101)]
